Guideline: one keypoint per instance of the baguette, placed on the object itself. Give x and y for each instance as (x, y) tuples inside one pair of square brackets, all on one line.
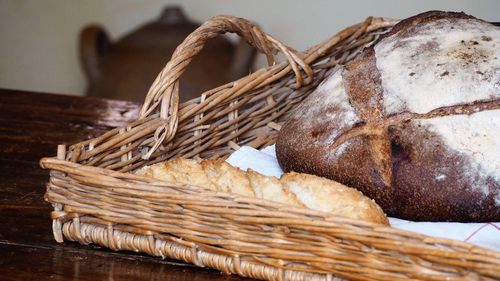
[(300, 190)]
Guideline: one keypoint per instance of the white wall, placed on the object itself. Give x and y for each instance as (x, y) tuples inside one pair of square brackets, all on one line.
[(38, 48)]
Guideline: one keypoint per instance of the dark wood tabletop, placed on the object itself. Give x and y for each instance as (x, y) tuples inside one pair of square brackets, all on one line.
[(31, 126)]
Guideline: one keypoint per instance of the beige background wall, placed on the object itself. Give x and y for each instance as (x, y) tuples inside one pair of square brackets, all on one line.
[(38, 49)]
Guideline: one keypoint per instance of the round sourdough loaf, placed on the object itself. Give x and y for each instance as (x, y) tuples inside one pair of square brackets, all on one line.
[(413, 122)]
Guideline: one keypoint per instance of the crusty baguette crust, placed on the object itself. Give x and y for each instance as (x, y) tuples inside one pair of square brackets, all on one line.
[(300, 190)]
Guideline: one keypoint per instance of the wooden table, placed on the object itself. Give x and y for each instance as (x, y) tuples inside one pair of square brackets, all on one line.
[(31, 126)]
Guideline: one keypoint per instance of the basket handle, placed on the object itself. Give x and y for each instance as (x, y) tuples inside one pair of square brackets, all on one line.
[(164, 92)]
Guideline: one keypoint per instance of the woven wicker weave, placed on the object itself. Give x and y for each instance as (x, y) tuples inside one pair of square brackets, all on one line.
[(96, 201)]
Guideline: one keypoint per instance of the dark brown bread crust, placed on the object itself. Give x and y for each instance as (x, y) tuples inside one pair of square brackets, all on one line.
[(390, 158), (405, 25)]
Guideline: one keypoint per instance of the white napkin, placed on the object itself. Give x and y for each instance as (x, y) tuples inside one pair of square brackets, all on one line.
[(482, 234)]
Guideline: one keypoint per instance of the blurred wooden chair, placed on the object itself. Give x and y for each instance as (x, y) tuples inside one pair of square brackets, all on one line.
[(125, 69)]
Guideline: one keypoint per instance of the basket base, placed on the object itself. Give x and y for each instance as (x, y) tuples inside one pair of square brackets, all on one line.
[(108, 237)]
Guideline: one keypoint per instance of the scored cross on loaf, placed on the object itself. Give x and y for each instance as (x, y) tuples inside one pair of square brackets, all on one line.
[(413, 122)]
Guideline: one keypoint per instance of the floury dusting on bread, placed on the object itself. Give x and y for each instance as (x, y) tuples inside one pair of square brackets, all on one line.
[(343, 115), (464, 67), (415, 124), (420, 72)]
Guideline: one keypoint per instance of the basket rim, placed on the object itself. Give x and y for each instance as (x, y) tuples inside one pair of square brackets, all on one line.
[(66, 166)]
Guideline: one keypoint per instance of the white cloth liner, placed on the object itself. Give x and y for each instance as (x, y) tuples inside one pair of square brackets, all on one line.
[(482, 234)]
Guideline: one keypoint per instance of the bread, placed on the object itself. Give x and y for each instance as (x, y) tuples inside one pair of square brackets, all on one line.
[(294, 189), (413, 122)]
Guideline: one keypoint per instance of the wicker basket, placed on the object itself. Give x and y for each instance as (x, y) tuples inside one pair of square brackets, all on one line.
[(97, 201)]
